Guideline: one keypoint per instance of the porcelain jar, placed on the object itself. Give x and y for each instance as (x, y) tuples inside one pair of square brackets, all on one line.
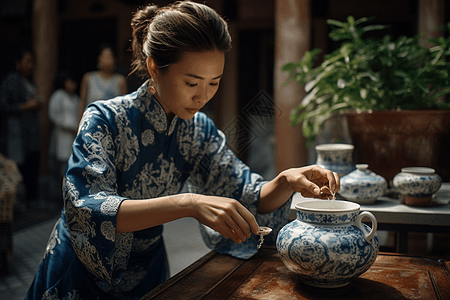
[(362, 185), (336, 157), (327, 245), (417, 185)]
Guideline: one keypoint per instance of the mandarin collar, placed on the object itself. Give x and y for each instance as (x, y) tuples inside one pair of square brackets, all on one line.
[(156, 109)]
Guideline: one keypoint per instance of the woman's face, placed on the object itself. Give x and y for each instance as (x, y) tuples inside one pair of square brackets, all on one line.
[(106, 60), (186, 86), (25, 65), (70, 86)]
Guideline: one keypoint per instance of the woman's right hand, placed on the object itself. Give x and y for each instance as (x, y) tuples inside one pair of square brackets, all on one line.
[(226, 216)]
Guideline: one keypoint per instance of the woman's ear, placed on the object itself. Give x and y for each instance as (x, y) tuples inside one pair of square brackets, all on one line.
[(152, 68)]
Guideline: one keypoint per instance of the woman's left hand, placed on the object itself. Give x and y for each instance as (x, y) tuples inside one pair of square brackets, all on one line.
[(313, 181)]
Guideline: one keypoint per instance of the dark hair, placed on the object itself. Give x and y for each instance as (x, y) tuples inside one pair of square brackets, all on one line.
[(166, 33), (21, 52), (61, 78), (106, 46)]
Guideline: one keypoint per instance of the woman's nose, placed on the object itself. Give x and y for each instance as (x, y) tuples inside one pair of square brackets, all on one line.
[(202, 95)]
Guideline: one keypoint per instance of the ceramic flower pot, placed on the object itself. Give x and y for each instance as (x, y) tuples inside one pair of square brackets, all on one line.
[(390, 140), (327, 245), (362, 185), (417, 185), (336, 157)]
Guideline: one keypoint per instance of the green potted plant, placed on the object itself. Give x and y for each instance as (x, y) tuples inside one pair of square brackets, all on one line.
[(367, 76)]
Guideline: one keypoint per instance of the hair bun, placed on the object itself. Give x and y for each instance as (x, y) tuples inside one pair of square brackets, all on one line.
[(165, 33), (144, 16), (139, 24)]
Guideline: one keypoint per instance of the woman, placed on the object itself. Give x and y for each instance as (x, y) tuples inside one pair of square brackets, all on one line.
[(63, 112), (20, 133), (150, 157), (102, 84)]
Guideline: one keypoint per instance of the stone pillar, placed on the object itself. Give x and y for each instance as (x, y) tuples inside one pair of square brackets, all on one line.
[(45, 47), (431, 16), (227, 108), (292, 40)]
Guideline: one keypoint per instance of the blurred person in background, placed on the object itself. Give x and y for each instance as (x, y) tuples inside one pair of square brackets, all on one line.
[(103, 84), (20, 132), (63, 113)]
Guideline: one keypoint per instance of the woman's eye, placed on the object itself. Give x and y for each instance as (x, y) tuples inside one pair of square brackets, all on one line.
[(214, 84), (191, 84)]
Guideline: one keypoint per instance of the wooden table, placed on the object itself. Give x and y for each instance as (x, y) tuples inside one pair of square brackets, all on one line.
[(392, 215), (264, 276)]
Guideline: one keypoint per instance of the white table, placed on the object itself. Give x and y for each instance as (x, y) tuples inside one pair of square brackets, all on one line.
[(392, 215)]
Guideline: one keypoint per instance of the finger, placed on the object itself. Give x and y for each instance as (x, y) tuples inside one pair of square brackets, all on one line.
[(234, 236), (324, 193), (313, 188), (237, 234), (325, 190), (249, 219), (338, 182), (230, 233), (332, 182), (332, 178)]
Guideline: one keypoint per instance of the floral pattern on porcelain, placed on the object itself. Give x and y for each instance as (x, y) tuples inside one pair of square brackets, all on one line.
[(362, 185), (326, 218), (417, 182), (336, 157), (330, 249)]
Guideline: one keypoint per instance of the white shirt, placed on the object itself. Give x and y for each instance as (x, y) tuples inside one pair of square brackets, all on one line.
[(63, 112)]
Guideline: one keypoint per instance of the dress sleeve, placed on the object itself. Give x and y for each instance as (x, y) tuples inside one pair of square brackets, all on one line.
[(219, 172), (91, 199)]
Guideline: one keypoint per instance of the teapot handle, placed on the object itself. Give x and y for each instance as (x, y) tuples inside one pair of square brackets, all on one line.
[(370, 235)]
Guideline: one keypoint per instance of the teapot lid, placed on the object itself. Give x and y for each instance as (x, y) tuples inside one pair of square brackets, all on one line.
[(362, 166), (362, 172), (418, 170)]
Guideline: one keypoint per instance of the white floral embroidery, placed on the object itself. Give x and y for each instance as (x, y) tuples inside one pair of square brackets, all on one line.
[(158, 118), (70, 193), (124, 241), (173, 125), (110, 206), (53, 241), (99, 174), (148, 137), (90, 257), (80, 218), (153, 181), (53, 295), (85, 121), (108, 230), (126, 141)]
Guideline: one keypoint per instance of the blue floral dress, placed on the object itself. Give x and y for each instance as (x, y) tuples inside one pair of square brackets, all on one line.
[(126, 149)]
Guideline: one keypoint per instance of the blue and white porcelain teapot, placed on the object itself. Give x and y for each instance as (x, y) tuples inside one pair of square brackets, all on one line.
[(328, 245), (362, 185)]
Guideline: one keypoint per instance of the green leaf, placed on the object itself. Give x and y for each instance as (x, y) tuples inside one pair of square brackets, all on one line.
[(423, 88), (289, 67), (335, 23)]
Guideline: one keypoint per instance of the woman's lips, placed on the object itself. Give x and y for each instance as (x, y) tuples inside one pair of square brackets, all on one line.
[(192, 110)]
